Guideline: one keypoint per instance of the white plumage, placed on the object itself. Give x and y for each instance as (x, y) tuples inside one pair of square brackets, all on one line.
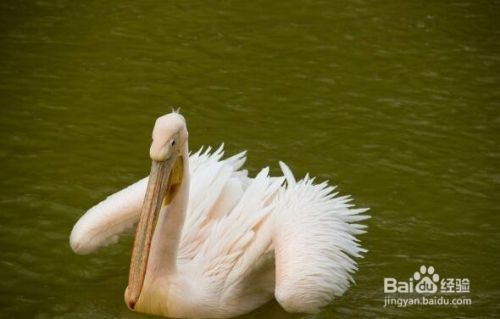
[(243, 240)]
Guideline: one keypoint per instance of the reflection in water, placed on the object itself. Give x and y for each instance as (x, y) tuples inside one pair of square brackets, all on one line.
[(395, 102)]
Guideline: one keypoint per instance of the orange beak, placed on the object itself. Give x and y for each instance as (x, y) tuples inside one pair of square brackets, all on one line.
[(164, 179)]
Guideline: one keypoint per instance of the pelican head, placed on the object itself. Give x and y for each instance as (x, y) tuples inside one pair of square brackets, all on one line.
[(166, 152)]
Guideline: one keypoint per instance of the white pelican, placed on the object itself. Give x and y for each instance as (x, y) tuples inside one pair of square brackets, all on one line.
[(213, 242)]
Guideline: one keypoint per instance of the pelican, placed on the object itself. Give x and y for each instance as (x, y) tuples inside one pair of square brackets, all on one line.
[(211, 242)]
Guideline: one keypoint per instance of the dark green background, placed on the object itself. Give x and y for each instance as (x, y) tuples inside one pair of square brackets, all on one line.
[(395, 101)]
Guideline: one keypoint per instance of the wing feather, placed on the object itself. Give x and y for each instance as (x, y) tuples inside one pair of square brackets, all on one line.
[(215, 187), (102, 224), (241, 236), (315, 243)]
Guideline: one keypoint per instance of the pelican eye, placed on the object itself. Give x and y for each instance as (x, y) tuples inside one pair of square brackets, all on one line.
[(172, 143)]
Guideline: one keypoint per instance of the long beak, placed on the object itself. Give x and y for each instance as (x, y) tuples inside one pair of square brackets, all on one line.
[(155, 194)]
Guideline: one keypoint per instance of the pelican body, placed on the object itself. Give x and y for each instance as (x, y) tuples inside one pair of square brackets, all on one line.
[(211, 242)]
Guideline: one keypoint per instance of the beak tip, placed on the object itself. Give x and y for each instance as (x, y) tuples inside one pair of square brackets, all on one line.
[(129, 300), (131, 304)]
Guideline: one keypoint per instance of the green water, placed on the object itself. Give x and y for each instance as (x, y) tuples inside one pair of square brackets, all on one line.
[(397, 102)]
